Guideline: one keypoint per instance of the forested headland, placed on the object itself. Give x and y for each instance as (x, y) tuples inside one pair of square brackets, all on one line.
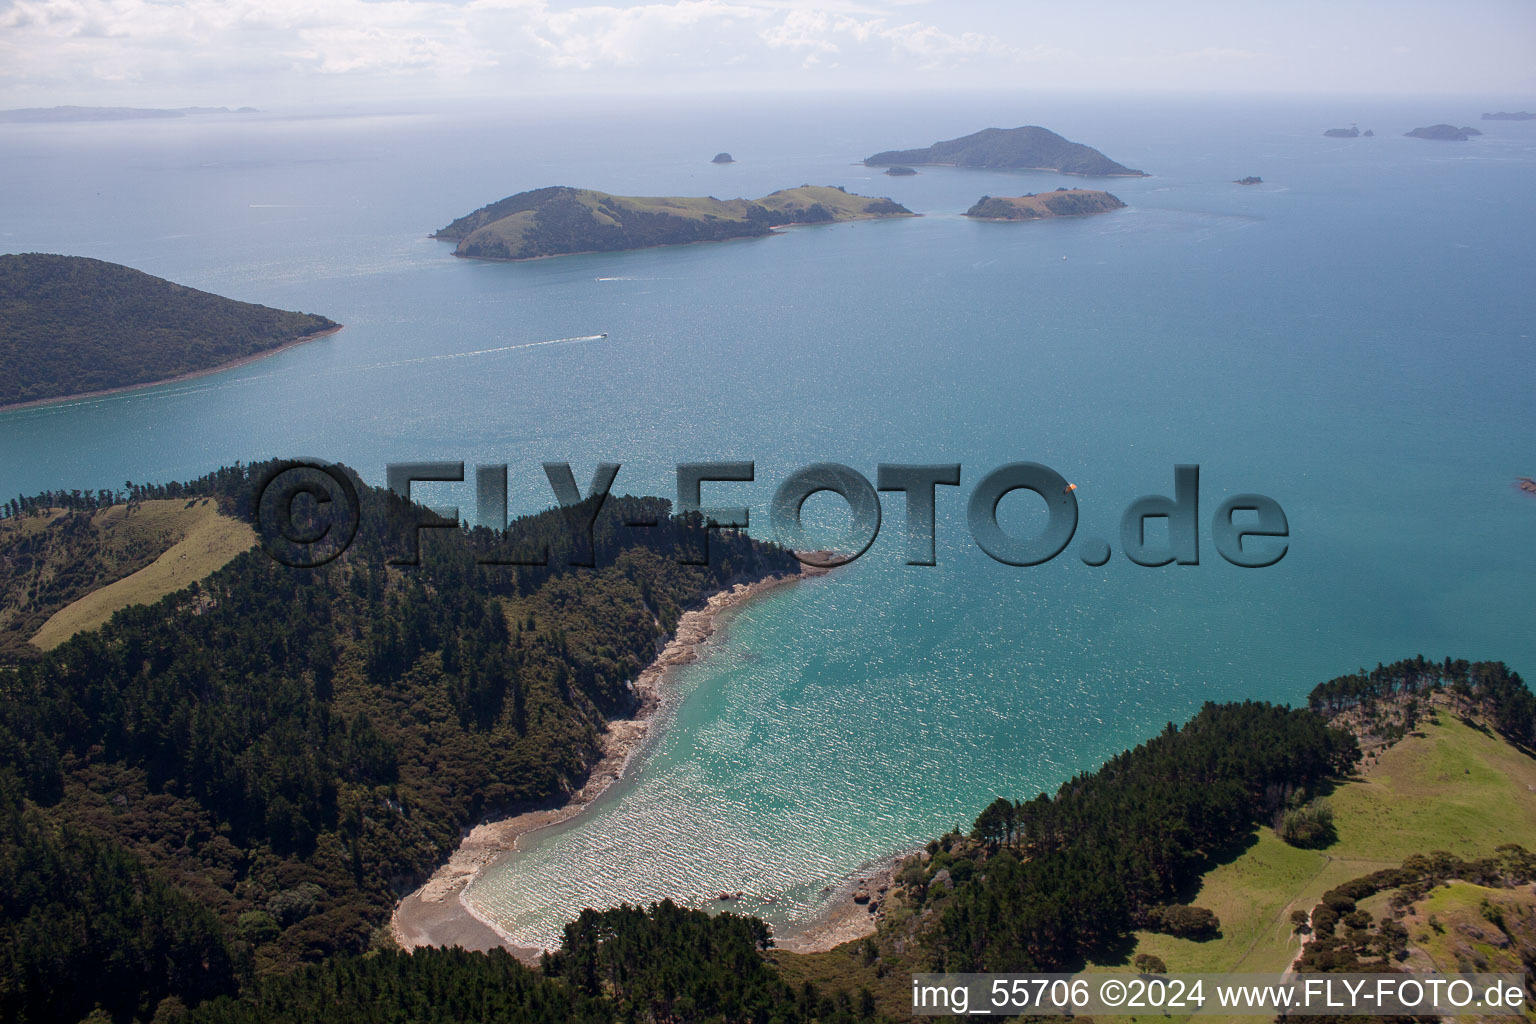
[(261, 763), (71, 326), (209, 806)]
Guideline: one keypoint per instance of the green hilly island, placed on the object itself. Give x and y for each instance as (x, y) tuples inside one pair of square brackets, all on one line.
[(71, 326), (1064, 202), (1028, 148), (560, 220)]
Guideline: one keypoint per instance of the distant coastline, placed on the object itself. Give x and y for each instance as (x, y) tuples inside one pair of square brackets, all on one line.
[(190, 375), (436, 913), (77, 115)]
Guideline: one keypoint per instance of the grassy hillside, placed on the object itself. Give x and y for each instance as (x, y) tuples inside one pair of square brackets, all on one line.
[(52, 560), (822, 204), (1452, 784), (1043, 884), (207, 542), (1452, 787), (560, 221), (71, 325), (1462, 926)]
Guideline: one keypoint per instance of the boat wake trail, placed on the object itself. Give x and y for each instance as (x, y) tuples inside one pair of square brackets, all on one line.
[(200, 386), (478, 352)]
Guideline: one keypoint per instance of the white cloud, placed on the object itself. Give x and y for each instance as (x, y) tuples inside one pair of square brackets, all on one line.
[(78, 44), (153, 52), (914, 44)]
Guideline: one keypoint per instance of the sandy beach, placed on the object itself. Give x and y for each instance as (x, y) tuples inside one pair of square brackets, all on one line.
[(437, 915)]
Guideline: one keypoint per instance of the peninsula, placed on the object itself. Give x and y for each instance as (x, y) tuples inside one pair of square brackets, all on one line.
[(1030, 148), (72, 326), (1064, 202), (1506, 115), (1443, 133), (561, 220)]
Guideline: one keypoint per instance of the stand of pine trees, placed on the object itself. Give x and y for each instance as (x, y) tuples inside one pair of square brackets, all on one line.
[(212, 803)]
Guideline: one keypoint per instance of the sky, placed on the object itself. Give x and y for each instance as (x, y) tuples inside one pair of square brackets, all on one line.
[(277, 52)]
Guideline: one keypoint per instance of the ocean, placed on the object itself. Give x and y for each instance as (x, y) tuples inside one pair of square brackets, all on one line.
[(1350, 338)]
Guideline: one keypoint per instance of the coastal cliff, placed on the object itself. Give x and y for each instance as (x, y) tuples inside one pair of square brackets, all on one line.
[(1028, 148), (561, 220), (1073, 202)]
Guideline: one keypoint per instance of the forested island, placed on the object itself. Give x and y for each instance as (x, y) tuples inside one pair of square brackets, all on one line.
[(1028, 148), (72, 326), (1064, 202), (561, 220)]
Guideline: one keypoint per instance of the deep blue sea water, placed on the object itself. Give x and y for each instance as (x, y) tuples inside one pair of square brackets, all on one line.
[(1351, 338)]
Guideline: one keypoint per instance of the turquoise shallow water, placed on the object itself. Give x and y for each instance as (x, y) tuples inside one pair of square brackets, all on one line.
[(1350, 338)]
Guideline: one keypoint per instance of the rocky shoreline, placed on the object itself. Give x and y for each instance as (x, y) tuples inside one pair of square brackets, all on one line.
[(853, 910), (436, 914)]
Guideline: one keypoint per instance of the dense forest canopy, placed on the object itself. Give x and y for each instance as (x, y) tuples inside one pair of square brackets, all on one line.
[(1055, 880), (71, 325), (659, 963), (290, 747), (212, 802)]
